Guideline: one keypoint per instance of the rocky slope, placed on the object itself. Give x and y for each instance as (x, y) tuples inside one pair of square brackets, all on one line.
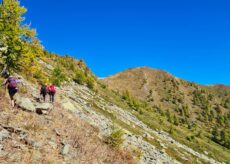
[(36, 132), (65, 134), (153, 146)]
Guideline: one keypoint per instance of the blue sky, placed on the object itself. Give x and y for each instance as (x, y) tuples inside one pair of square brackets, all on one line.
[(190, 39)]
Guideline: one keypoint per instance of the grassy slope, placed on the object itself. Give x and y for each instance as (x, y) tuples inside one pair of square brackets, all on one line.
[(168, 93)]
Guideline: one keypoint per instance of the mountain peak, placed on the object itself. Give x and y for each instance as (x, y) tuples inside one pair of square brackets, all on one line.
[(141, 69)]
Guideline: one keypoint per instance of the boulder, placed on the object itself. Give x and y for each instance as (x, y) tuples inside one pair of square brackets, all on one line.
[(57, 132), (4, 134), (53, 144), (44, 106), (15, 157), (206, 153), (36, 157), (12, 129), (65, 150), (146, 135), (33, 143), (68, 106), (25, 104), (36, 96)]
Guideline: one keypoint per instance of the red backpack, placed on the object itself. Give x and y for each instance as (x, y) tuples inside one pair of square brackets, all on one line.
[(52, 89)]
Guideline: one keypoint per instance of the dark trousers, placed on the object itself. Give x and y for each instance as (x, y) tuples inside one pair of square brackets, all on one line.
[(12, 92), (51, 96), (44, 96)]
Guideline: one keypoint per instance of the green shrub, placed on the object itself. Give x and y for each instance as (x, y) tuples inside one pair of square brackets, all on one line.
[(137, 152), (80, 77), (126, 95), (40, 76), (115, 139), (23, 90), (161, 121), (190, 138), (90, 83), (171, 130), (141, 112), (199, 134), (58, 77), (176, 121), (103, 85)]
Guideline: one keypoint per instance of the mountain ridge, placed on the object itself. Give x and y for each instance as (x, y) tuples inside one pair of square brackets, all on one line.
[(181, 102), (162, 70)]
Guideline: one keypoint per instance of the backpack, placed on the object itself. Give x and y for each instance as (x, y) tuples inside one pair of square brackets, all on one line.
[(52, 89), (43, 89), (12, 83)]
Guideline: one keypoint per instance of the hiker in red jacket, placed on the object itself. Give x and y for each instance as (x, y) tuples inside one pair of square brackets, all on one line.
[(11, 84), (52, 92)]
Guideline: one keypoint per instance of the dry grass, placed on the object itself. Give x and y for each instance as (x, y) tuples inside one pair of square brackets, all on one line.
[(86, 147)]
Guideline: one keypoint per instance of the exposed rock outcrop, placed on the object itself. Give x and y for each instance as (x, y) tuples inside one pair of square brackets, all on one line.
[(25, 103), (80, 97)]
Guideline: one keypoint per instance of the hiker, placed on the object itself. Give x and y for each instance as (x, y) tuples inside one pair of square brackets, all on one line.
[(11, 84), (52, 92), (43, 91)]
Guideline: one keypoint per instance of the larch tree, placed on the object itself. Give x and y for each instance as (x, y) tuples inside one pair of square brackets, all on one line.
[(16, 38)]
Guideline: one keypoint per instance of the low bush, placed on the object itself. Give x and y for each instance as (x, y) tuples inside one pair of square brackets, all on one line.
[(190, 138), (23, 90), (137, 152), (115, 139), (58, 77), (90, 83), (80, 77)]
